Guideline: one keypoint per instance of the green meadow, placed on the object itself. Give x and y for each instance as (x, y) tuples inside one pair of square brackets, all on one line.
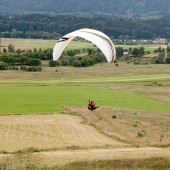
[(17, 99), (48, 92)]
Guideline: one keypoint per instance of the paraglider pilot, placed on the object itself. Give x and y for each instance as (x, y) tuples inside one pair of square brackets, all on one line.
[(92, 106)]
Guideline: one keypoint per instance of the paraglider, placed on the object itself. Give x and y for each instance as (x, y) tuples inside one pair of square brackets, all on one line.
[(101, 40), (98, 38), (92, 106)]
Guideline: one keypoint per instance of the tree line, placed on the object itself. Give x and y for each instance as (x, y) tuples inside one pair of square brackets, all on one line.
[(31, 60), (54, 26)]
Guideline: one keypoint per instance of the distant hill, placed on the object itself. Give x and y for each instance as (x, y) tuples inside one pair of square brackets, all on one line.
[(50, 26), (130, 8)]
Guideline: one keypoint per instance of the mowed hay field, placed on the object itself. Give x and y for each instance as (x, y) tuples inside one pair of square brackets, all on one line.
[(49, 132), (26, 44), (44, 120)]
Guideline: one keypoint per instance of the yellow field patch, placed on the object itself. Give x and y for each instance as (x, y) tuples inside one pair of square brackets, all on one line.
[(55, 131)]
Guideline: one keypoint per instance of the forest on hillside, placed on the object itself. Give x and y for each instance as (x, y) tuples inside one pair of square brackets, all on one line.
[(131, 8), (54, 26)]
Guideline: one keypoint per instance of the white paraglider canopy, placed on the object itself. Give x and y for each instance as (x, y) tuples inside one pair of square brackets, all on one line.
[(102, 41)]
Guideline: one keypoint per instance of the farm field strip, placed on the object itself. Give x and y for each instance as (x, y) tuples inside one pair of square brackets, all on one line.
[(39, 43), (115, 79), (52, 99), (65, 157), (53, 131), (124, 79)]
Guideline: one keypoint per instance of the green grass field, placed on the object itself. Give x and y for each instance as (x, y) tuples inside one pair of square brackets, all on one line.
[(47, 99)]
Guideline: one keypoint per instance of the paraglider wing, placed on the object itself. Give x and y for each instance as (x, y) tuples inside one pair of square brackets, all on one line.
[(98, 38)]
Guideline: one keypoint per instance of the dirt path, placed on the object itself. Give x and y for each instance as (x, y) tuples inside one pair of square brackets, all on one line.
[(63, 157)]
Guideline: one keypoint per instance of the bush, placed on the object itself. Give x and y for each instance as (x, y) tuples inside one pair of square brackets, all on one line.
[(33, 68), (168, 60), (24, 68), (64, 62), (116, 64), (34, 62), (136, 62), (114, 117), (3, 65), (168, 55), (52, 63), (77, 63), (140, 134), (39, 68), (14, 68)]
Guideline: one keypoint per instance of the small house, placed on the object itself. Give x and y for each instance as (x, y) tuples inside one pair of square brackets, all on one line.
[(161, 41)]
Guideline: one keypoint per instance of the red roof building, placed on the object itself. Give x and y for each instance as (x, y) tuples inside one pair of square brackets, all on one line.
[(161, 41)]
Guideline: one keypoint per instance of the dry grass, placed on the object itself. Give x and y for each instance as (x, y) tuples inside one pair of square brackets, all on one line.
[(27, 44), (157, 92), (140, 128), (99, 70), (103, 70), (54, 131), (65, 157), (127, 156)]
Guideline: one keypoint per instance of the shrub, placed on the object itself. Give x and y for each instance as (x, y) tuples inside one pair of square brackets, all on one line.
[(3, 152), (3, 65), (52, 63), (24, 68), (135, 125), (77, 63), (33, 68), (14, 68), (168, 55), (39, 68), (140, 134), (34, 62), (136, 62), (116, 64), (64, 62), (168, 60), (114, 117)]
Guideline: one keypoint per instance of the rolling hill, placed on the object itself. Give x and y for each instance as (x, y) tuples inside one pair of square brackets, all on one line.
[(135, 8)]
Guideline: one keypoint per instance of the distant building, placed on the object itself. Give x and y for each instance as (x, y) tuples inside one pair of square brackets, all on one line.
[(125, 52), (160, 41)]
